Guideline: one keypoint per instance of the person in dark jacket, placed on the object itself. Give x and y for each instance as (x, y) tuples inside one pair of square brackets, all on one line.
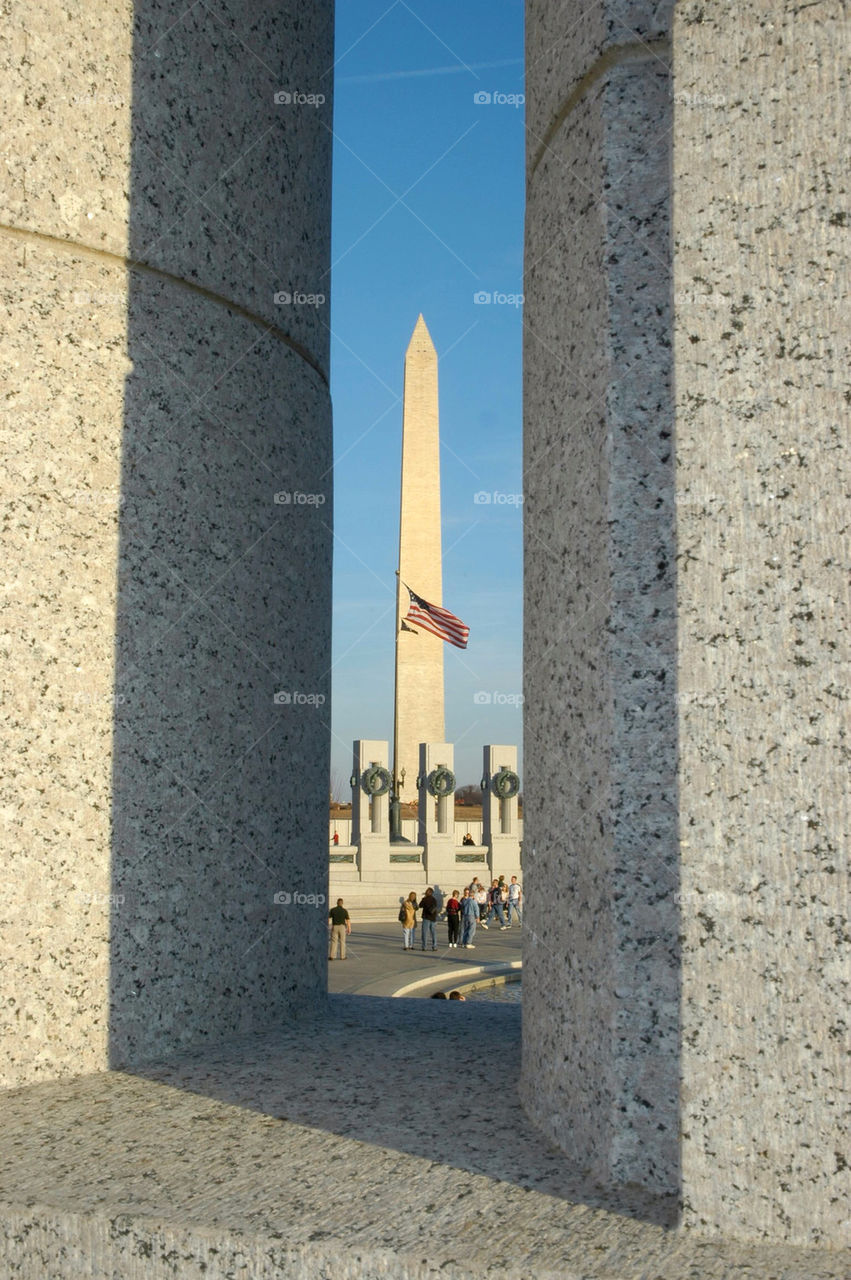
[(340, 926), (452, 907), (428, 906), (495, 907)]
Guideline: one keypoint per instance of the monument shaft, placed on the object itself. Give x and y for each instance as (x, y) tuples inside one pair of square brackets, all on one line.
[(419, 656)]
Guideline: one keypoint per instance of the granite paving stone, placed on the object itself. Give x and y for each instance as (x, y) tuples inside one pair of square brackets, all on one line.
[(358, 1141)]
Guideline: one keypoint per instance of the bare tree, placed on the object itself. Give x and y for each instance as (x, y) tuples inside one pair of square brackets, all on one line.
[(340, 791)]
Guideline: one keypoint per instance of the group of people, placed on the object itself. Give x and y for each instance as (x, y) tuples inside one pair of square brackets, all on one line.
[(464, 913)]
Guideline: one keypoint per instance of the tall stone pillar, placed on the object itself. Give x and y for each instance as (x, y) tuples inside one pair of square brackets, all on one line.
[(686, 605), (500, 817), (601, 976), (164, 223), (418, 711), (437, 812), (762, 338), (371, 808)]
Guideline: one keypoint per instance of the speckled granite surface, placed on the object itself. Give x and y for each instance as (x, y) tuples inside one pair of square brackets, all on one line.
[(167, 596), (358, 1144), (686, 1000), (172, 143), (601, 971), (222, 611), (763, 294), (565, 42), (62, 499)]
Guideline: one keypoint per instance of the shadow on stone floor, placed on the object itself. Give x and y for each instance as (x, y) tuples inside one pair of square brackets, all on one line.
[(431, 1080), (374, 1130)]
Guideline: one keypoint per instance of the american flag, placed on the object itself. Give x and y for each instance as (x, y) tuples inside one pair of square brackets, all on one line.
[(440, 622)]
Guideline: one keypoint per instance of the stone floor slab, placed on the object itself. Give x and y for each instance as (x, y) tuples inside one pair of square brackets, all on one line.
[(362, 1142)]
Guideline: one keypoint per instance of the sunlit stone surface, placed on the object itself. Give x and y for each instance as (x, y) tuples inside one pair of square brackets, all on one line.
[(685, 987)]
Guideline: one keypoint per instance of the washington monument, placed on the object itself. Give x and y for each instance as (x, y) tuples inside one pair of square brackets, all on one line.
[(419, 656)]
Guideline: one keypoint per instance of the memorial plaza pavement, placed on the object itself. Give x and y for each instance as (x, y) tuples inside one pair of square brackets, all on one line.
[(378, 1137)]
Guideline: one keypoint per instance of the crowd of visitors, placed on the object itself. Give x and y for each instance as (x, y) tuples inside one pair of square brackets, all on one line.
[(464, 911)]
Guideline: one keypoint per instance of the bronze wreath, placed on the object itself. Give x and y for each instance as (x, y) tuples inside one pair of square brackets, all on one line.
[(506, 784), (441, 781), (375, 780)]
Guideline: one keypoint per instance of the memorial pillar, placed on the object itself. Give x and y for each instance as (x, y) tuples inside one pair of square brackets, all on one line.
[(436, 786), (371, 808), (500, 818), (686, 604), (762, 336), (167, 535)]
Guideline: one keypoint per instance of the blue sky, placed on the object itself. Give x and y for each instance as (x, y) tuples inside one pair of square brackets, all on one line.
[(428, 214)]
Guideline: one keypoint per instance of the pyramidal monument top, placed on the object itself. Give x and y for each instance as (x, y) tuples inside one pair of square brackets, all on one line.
[(420, 338)]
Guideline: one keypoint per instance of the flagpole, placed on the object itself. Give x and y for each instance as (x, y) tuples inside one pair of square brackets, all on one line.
[(395, 763)]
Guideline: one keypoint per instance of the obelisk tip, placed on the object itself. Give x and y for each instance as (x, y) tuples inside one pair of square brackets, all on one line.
[(420, 338)]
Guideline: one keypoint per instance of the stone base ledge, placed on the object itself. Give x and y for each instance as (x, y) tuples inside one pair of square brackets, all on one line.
[(321, 1151), (41, 1243)]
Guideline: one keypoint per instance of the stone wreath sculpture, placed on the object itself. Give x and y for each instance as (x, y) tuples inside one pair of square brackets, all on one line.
[(506, 784), (375, 780), (441, 781)]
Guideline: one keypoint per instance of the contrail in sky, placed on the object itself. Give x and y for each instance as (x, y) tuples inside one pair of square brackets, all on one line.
[(373, 77)]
